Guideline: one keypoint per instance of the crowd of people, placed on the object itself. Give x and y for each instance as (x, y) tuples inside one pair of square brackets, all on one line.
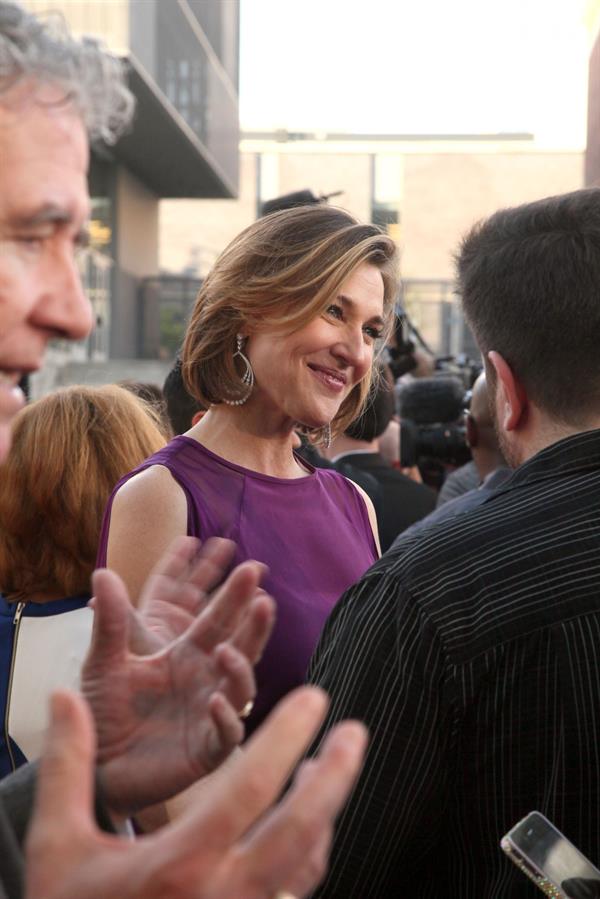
[(175, 564)]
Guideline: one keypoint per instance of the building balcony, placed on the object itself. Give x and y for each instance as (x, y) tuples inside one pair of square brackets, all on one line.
[(184, 142)]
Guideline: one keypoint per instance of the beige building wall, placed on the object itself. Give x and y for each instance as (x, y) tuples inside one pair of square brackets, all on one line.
[(445, 194), (193, 232), (137, 226), (136, 253), (324, 174), (108, 19), (443, 189)]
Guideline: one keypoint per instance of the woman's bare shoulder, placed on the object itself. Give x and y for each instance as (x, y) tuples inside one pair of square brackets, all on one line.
[(146, 488), (149, 511), (149, 506)]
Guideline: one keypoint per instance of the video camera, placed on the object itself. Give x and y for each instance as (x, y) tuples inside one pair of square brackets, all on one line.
[(433, 432)]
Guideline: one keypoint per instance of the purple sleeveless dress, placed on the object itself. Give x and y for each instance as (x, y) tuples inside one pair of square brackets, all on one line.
[(313, 533)]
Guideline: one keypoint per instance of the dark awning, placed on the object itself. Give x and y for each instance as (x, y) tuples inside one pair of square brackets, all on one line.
[(164, 152)]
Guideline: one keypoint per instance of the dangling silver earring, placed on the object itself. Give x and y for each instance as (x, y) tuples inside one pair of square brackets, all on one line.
[(327, 436), (247, 377)]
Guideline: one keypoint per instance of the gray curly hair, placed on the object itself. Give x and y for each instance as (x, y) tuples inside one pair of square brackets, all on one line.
[(92, 78)]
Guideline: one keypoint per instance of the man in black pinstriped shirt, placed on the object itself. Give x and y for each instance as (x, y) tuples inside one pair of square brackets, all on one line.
[(473, 653)]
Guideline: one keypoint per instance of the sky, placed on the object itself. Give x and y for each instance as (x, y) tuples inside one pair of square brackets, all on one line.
[(424, 66)]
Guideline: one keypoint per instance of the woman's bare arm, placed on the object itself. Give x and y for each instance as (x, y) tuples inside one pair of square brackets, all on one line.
[(148, 512)]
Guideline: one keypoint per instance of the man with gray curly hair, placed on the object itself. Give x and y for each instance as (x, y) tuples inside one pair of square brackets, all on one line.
[(165, 683), (85, 77)]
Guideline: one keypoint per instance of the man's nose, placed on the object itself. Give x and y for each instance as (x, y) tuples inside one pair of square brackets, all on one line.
[(63, 306)]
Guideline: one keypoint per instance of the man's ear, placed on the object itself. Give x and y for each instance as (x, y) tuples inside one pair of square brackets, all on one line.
[(511, 398)]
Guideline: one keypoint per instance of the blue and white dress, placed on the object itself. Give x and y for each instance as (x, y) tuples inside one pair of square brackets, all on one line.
[(42, 648)]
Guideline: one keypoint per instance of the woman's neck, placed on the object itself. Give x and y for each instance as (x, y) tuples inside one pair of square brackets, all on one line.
[(235, 434)]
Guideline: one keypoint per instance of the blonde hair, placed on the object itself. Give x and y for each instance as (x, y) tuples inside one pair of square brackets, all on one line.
[(68, 451), (279, 274)]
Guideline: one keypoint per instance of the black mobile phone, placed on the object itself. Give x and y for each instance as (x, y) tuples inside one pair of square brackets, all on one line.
[(550, 860)]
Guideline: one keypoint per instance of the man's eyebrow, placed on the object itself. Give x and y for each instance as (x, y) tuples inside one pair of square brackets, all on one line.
[(348, 301), (50, 213)]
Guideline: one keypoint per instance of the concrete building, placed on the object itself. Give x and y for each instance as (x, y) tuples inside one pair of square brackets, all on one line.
[(182, 62), (426, 189)]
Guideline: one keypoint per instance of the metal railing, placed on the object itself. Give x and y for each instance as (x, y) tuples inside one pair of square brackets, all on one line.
[(165, 306)]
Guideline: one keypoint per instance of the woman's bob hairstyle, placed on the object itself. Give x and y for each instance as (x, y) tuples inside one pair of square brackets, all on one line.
[(278, 275), (68, 451)]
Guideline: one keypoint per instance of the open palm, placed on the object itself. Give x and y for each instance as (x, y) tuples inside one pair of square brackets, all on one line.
[(167, 718)]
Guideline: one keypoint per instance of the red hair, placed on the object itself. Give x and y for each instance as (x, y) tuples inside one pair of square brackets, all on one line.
[(68, 451)]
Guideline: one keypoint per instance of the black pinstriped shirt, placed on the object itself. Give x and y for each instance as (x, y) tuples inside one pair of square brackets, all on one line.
[(473, 655)]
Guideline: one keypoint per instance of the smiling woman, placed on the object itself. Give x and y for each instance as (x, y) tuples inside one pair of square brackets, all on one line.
[(282, 337)]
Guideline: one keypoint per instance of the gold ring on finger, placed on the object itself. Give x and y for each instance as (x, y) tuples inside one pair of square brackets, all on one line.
[(243, 715)]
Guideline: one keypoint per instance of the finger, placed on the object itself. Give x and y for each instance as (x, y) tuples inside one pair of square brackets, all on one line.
[(229, 730), (112, 611), (236, 798), (307, 876), (143, 641), (221, 616), (255, 628), (189, 560), (238, 683), (286, 849), (176, 561), (209, 567), (65, 781), (182, 581), (301, 870)]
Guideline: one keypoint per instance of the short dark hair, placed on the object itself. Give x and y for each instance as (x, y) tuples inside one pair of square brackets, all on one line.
[(152, 396), (378, 412), (529, 278), (181, 405)]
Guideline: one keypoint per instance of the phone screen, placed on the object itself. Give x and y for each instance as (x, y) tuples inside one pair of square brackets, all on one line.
[(557, 858)]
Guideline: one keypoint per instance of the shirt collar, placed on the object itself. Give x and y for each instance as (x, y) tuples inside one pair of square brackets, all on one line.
[(578, 452)]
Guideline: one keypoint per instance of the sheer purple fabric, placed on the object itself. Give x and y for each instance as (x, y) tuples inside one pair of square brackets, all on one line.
[(312, 532)]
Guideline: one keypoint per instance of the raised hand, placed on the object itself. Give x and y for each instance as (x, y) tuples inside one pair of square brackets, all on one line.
[(232, 844), (177, 590), (164, 720)]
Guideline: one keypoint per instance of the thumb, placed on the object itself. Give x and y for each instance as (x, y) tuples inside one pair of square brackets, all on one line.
[(64, 793), (112, 609)]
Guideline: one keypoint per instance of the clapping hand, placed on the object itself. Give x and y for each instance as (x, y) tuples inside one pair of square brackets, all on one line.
[(232, 843), (169, 714)]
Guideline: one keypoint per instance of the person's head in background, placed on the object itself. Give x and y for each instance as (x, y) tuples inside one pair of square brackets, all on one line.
[(55, 94), (528, 278), (183, 410), (152, 395), (306, 293), (68, 451), (481, 432), (365, 431)]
